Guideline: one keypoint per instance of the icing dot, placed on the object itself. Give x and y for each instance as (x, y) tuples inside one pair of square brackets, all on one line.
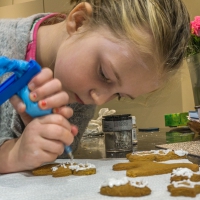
[(180, 152), (54, 168)]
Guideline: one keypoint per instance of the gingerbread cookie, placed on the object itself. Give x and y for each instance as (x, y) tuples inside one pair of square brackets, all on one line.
[(65, 169), (83, 169), (61, 170), (184, 188), (44, 170), (124, 188), (157, 155), (148, 168), (180, 174)]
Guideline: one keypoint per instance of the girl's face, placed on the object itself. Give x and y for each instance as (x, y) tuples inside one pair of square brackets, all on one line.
[(97, 67)]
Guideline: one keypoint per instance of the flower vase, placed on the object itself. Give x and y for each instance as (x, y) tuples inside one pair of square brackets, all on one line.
[(193, 63)]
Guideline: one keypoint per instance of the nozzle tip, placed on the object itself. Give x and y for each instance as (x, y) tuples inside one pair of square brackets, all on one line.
[(71, 156)]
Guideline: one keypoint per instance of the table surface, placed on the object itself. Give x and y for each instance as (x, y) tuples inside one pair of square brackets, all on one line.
[(93, 147), (25, 186)]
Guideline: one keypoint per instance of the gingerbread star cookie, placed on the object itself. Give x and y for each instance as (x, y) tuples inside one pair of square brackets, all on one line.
[(180, 174), (184, 188)]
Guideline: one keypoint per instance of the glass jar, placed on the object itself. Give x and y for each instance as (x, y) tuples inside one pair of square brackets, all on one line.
[(118, 135)]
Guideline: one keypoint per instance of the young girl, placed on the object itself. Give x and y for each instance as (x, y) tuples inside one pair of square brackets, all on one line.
[(100, 50)]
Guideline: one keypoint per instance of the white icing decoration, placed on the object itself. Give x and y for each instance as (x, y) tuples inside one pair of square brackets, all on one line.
[(184, 172), (115, 182), (54, 168), (138, 184), (63, 165), (74, 166), (159, 152), (180, 152), (81, 166), (123, 181), (185, 183)]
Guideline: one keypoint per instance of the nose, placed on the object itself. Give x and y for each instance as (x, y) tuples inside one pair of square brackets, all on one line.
[(101, 97)]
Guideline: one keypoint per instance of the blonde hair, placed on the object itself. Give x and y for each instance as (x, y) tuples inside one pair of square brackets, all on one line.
[(159, 28)]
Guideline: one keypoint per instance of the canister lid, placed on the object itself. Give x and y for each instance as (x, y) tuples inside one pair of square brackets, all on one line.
[(151, 129), (117, 117)]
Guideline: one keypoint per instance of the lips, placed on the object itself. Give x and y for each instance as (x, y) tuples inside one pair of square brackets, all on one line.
[(78, 99)]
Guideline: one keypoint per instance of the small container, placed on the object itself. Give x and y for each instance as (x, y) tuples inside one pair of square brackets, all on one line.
[(134, 131), (198, 110), (118, 135)]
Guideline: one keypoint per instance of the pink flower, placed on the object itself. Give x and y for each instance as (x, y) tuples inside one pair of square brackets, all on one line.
[(195, 26)]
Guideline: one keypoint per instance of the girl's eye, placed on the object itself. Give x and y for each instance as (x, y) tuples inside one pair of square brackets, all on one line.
[(103, 76), (118, 96)]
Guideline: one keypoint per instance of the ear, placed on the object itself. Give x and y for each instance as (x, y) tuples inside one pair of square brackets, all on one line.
[(78, 16)]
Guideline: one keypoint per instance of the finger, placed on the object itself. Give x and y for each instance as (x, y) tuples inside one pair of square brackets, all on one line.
[(65, 111), (58, 133), (44, 76), (74, 130), (58, 128), (18, 104), (54, 119), (47, 89), (46, 156), (20, 107), (54, 101), (52, 146), (50, 157)]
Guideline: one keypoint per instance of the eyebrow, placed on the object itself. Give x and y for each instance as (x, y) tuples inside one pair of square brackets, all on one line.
[(119, 80)]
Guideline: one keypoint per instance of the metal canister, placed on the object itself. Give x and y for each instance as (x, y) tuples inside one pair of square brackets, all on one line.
[(118, 135)]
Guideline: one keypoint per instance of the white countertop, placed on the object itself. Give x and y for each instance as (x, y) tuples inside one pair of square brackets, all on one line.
[(25, 186)]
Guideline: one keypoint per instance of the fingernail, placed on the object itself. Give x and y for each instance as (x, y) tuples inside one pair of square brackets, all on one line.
[(33, 96), (31, 86), (20, 107), (43, 103), (56, 110)]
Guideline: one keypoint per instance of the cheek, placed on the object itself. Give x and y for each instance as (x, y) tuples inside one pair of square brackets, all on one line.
[(73, 77)]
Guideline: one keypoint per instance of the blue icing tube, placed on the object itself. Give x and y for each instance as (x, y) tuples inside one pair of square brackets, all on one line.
[(32, 108)]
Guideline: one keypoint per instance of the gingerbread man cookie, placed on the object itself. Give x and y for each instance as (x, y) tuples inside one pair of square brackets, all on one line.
[(65, 169), (148, 168), (157, 155)]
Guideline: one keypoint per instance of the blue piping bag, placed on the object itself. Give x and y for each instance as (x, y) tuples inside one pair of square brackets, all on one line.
[(17, 83)]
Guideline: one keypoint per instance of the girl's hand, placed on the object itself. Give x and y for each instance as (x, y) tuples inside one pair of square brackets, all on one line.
[(48, 92), (42, 141), (44, 137)]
